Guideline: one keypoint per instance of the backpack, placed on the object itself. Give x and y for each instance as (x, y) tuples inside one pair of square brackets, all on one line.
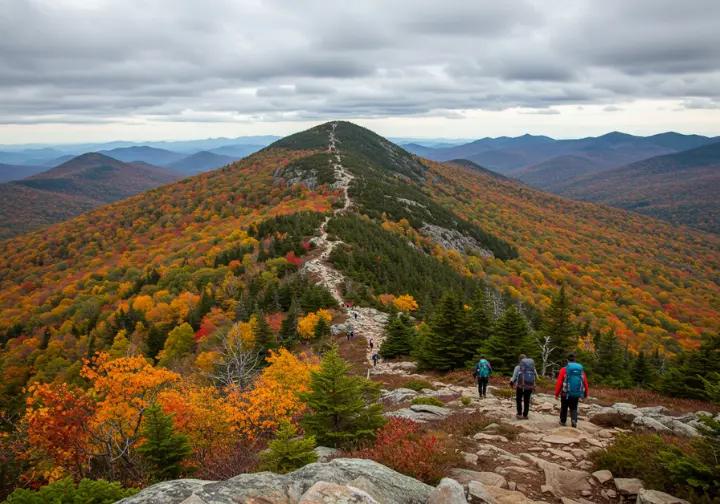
[(483, 369), (574, 384), (527, 374)]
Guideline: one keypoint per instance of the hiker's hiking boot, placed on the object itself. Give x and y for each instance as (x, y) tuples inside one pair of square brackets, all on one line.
[(519, 416), (574, 424), (563, 424), (525, 417)]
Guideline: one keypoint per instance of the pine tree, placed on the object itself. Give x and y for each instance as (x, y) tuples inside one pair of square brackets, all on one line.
[(286, 453), (45, 339), (399, 337), (610, 360), (288, 328), (263, 336), (344, 409), (642, 372), (558, 326), (163, 448), (477, 329), (508, 341), (685, 373), (442, 347)]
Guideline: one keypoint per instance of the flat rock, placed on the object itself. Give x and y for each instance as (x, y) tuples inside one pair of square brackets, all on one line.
[(648, 424), (479, 493), (656, 410), (561, 440), (603, 476), (606, 434), (562, 454), (656, 497), (448, 491), (563, 481), (398, 395), (684, 429), (565, 500), (390, 486), (514, 470), (624, 405), (629, 486), (481, 436), (465, 476), (323, 492), (471, 458), (433, 410)]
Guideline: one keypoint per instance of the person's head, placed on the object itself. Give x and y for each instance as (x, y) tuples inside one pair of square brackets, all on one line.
[(571, 357), (522, 356), (482, 357)]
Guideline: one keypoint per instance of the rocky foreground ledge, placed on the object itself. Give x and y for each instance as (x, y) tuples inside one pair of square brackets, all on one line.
[(359, 481)]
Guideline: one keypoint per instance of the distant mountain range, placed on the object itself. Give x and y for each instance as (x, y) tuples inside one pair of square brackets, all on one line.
[(682, 188), (86, 182)]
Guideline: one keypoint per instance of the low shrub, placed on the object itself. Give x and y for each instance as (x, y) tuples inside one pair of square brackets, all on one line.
[(505, 393), (418, 385), (509, 431), (688, 471), (65, 491), (405, 447), (430, 401), (466, 401)]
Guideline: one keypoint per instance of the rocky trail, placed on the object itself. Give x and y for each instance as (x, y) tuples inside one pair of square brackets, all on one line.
[(370, 323)]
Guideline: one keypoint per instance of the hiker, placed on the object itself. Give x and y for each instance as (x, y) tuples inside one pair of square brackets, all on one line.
[(352, 334), (375, 358), (523, 380), (349, 335), (482, 373), (355, 314), (372, 342), (572, 385)]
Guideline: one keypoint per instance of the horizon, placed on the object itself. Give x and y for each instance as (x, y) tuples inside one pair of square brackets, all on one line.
[(461, 69)]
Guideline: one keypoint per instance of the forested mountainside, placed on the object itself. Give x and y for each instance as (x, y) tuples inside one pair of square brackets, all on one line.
[(174, 301), (681, 188), (65, 191)]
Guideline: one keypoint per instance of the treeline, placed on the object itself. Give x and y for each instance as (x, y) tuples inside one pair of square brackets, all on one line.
[(460, 330)]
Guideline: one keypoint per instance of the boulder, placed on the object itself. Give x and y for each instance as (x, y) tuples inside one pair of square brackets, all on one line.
[(684, 429), (389, 486), (607, 417), (562, 454), (465, 476), (562, 481), (481, 436), (703, 413), (656, 497), (654, 410), (470, 458), (397, 396), (323, 492), (629, 486), (448, 491), (193, 499), (433, 410), (687, 417), (479, 493), (628, 414), (324, 454), (603, 476), (624, 405), (560, 440), (648, 424)]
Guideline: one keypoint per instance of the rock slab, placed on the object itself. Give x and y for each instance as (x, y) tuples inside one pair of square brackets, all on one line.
[(448, 491), (656, 497)]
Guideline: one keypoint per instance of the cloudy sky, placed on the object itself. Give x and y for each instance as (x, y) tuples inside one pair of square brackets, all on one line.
[(89, 70)]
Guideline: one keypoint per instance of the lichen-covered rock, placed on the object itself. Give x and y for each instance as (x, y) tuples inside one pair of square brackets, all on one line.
[(648, 424), (465, 476), (332, 493), (603, 476), (654, 410), (479, 493), (656, 497), (389, 486), (448, 491), (629, 486), (325, 454), (607, 417), (398, 395)]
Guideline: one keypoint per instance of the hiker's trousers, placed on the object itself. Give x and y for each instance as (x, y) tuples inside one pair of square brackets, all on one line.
[(572, 404), (522, 400), (482, 386)]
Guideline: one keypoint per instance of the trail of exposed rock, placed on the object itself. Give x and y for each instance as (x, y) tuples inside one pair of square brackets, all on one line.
[(370, 323)]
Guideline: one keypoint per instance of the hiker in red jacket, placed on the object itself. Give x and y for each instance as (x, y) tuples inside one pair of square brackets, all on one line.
[(573, 385)]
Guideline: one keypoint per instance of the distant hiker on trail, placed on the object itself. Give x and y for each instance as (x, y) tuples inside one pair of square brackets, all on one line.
[(349, 335), (372, 342), (375, 358), (482, 373), (352, 334), (523, 380), (355, 314), (572, 385)]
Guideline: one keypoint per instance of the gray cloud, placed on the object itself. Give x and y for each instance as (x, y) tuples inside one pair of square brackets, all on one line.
[(99, 61)]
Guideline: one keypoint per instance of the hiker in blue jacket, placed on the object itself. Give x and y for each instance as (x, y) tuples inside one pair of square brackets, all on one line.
[(482, 373), (523, 380)]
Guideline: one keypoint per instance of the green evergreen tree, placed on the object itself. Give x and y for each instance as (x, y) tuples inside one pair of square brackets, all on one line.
[(399, 337), (288, 328), (264, 337), (477, 329), (163, 448), (509, 340), (558, 326), (286, 452), (610, 361), (643, 374), (442, 347), (45, 339), (344, 409), (685, 373)]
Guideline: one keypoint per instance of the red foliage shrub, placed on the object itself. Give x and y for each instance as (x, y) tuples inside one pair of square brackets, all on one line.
[(292, 258), (403, 446)]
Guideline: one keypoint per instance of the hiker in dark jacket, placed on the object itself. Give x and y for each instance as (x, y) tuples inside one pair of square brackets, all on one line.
[(482, 372), (571, 386), (523, 380)]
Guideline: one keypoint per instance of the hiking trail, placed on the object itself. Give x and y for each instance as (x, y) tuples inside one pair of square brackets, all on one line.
[(370, 322)]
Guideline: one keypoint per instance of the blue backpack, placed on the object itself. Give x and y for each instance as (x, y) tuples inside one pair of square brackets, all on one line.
[(527, 374), (574, 385), (483, 369)]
